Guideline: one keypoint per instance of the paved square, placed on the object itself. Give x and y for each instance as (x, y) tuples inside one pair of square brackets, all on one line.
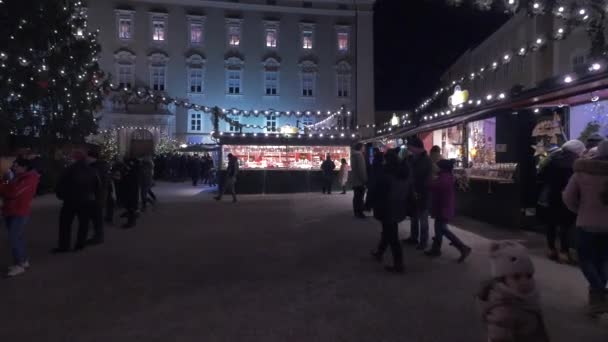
[(270, 268)]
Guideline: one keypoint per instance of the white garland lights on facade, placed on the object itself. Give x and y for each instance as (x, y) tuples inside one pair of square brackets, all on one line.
[(494, 97), (397, 121), (577, 16)]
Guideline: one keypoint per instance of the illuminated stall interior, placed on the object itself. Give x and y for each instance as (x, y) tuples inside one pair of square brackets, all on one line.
[(285, 157)]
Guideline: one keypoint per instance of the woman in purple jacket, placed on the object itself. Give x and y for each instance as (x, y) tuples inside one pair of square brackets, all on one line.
[(443, 197)]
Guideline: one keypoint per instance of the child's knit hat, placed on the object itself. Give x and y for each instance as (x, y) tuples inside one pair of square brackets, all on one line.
[(509, 257)]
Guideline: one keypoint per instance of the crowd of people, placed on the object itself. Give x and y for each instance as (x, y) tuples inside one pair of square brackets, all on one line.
[(179, 167)]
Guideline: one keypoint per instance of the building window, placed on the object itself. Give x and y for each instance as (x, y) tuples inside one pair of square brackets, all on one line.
[(158, 71), (308, 84), (196, 34), (271, 123), (157, 78), (307, 4), (307, 121), (196, 122), (125, 76), (271, 38), (343, 85), (125, 24), (196, 80), (159, 27), (343, 41), (124, 29), (234, 82), (125, 65), (308, 32), (234, 32), (235, 128), (271, 83)]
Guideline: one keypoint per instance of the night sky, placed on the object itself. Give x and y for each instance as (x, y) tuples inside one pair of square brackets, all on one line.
[(416, 41)]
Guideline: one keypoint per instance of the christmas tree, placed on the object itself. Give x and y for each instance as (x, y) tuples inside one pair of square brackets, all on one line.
[(51, 85)]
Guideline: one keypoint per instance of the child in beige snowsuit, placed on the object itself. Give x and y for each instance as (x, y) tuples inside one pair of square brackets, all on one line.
[(509, 302)]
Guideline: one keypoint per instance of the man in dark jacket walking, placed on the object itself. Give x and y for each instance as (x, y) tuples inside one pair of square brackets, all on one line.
[(358, 173), (389, 205), (130, 189), (103, 173), (80, 189), (230, 181), (422, 170), (328, 168)]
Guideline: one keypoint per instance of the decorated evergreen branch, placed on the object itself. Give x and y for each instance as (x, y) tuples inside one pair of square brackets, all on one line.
[(51, 86)]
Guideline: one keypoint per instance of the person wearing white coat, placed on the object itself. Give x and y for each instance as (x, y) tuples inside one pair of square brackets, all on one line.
[(343, 175)]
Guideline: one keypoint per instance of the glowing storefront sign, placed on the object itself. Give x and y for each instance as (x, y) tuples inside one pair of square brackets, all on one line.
[(459, 97)]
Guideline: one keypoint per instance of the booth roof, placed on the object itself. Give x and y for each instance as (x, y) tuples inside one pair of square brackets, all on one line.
[(302, 140)]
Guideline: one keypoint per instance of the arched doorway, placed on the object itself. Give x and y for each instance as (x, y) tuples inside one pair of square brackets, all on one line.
[(142, 143)]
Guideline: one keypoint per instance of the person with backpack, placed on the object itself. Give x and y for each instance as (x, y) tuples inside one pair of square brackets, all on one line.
[(17, 195)]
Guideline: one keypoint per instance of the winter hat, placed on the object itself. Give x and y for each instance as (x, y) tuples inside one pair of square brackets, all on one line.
[(415, 142), (574, 146), (602, 149), (509, 257), (446, 164)]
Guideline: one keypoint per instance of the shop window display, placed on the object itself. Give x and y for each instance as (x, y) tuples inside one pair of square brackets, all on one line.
[(450, 140), (285, 157), (482, 142)]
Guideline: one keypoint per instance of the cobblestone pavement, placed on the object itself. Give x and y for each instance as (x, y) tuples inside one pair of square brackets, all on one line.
[(270, 268)]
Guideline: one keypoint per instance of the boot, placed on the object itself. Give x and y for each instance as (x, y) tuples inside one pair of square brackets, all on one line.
[(597, 302), (464, 253)]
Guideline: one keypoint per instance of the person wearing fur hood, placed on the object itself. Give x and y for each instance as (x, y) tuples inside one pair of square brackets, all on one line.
[(587, 195), (509, 302)]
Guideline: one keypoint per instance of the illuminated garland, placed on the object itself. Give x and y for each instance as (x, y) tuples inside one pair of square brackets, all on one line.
[(574, 17)]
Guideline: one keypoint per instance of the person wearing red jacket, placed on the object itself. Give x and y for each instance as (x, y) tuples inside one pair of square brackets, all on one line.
[(17, 195)]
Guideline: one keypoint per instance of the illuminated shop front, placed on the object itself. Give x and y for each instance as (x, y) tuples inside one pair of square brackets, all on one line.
[(280, 164), (283, 157)]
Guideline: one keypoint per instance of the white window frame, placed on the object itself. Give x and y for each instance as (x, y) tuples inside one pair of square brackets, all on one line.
[(343, 80), (158, 62), (307, 120), (234, 129), (158, 18), (304, 79), (192, 81), (125, 59), (195, 122), (340, 30), (271, 26), (158, 78), (308, 69), (234, 65), (195, 63), (272, 121), (125, 15), (197, 20), (236, 89), (305, 30), (269, 86), (271, 65), (236, 24)]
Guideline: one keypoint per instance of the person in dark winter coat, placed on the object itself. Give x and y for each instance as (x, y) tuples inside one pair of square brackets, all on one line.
[(80, 190), (103, 172), (130, 189), (587, 195), (375, 171), (230, 182), (443, 208), (422, 170), (17, 195), (509, 302), (328, 168), (390, 207), (358, 167), (555, 175), (146, 179), (194, 168)]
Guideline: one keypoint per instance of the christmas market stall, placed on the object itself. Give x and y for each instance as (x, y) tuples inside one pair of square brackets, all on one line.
[(283, 163)]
